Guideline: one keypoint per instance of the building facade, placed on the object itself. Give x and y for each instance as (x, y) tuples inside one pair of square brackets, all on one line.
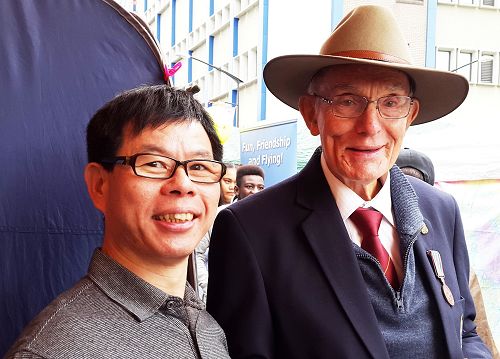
[(238, 37)]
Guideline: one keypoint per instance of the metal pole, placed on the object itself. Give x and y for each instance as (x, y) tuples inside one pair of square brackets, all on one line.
[(237, 104), (238, 82), (481, 59), (460, 67)]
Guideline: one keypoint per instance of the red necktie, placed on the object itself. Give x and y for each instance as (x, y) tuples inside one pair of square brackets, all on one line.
[(368, 222)]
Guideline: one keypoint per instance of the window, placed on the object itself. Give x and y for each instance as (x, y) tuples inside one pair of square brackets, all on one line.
[(477, 67), (443, 60), (487, 71), (464, 64), (486, 68)]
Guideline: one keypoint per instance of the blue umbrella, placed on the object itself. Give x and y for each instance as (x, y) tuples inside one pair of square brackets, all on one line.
[(60, 60)]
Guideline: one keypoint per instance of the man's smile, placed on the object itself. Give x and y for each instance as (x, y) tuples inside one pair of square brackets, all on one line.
[(174, 217)]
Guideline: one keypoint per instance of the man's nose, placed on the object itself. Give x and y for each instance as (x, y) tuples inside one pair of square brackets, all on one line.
[(179, 182), (370, 120)]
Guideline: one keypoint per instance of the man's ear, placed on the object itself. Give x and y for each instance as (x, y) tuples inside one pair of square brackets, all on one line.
[(96, 178), (307, 108), (415, 108), (236, 191)]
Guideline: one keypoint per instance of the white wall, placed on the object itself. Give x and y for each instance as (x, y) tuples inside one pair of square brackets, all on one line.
[(295, 30), (464, 145)]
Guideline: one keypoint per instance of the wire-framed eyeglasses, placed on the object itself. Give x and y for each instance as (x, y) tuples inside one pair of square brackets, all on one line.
[(348, 105), (155, 166)]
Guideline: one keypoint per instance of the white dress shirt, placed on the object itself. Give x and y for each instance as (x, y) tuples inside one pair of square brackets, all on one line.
[(348, 201)]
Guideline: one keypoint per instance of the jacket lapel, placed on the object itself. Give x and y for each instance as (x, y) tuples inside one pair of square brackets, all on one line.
[(326, 233), (421, 247), (409, 222)]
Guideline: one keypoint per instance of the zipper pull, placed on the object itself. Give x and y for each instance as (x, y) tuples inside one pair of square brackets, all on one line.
[(399, 300)]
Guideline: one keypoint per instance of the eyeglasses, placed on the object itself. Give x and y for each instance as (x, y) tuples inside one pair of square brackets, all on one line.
[(391, 107), (162, 167)]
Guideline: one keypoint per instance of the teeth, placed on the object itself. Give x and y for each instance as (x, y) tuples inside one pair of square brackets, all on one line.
[(175, 217)]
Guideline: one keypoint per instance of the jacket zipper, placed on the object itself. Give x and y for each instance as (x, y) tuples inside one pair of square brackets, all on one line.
[(399, 299), (397, 293)]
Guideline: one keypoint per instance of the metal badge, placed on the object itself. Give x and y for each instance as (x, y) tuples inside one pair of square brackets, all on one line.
[(437, 264)]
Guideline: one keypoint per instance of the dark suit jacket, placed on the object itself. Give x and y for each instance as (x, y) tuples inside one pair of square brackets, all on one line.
[(285, 283)]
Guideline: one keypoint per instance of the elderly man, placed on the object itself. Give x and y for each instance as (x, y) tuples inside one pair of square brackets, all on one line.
[(349, 258), (154, 170)]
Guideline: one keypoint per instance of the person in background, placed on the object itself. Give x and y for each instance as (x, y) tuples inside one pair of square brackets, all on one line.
[(417, 164), (349, 258), (153, 171), (483, 327), (249, 180), (227, 184)]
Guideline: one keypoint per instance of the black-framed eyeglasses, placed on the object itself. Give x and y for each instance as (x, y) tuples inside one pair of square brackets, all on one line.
[(348, 105), (155, 166)]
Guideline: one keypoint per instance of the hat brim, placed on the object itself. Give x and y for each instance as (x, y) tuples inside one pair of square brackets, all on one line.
[(439, 92)]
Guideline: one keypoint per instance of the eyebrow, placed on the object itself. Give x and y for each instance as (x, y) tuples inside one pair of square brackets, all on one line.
[(201, 153)]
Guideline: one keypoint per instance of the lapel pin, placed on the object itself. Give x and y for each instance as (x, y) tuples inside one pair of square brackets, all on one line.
[(424, 229), (437, 265)]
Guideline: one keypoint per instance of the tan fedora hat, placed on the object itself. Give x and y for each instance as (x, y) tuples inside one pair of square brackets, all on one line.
[(368, 35)]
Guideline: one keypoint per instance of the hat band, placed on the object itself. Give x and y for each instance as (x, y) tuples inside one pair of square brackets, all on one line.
[(370, 55)]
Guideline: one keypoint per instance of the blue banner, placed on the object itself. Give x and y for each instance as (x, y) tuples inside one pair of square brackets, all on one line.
[(273, 147)]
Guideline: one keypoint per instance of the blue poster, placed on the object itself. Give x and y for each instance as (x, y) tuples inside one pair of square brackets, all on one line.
[(273, 147)]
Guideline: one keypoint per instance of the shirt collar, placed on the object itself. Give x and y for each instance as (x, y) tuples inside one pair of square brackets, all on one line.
[(348, 201), (138, 297)]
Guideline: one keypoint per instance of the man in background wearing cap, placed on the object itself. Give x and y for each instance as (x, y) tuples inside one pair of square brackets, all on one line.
[(349, 258), (416, 164)]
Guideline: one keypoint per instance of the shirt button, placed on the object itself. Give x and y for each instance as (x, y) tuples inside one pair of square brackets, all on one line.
[(170, 304)]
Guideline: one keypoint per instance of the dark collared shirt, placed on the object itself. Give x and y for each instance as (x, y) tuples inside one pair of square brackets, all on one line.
[(112, 313)]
